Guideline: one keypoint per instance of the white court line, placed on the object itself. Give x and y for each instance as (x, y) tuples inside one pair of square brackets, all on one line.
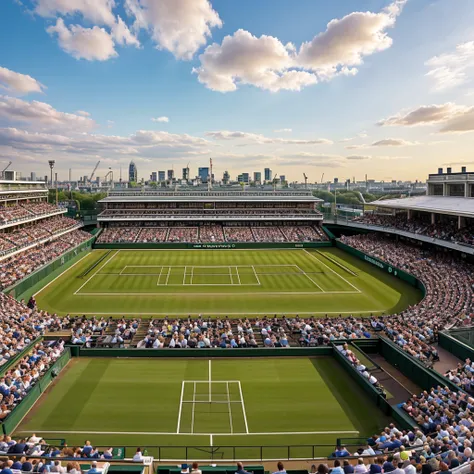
[(230, 408), (62, 273), (355, 311), (168, 276), (192, 276), (238, 275), (123, 269), (89, 279), (159, 277), (210, 440), (328, 267), (307, 276), (184, 275), (264, 293), (180, 407), (155, 433), (192, 412), (256, 276), (243, 408), (340, 265), (210, 381)]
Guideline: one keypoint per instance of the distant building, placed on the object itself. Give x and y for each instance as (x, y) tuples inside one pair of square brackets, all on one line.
[(203, 173), (33, 176), (154, 176), (226, 177), (268, 174), (245, 178), (161, 176), (170, 175), (257, 177), (282, 178), (132, 172), (186, 173)]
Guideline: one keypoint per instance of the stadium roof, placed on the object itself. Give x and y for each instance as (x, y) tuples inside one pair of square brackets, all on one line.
[(454, 206), (210, 198)]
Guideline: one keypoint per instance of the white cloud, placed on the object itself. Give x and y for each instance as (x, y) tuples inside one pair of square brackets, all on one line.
[(160, 119), (179, 26), (143, 144), (17, 83), (347, 40), (387, 142), (261, 139), (424, 115), (358, 157), (243, 58), (283, 130), (462, 123), (450, 70), (122, 34), (84, 43), (96, 11), (83, 113), (39, 115), (267, 63), (455, 118)]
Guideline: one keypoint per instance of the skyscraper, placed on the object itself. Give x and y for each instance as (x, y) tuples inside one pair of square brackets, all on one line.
[(257, 177), (170, 175), (132, 172), (268, 174), (186, 173), (154, 176), (203, 173), (161, 176)]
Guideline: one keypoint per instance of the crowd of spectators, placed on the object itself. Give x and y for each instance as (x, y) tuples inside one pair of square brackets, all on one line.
[(18, 380), (463, 376), (211, 233), (22, 264), (445, 229), (449, 293), (19, 212)]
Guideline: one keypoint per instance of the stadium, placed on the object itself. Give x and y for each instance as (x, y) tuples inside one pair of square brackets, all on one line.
[(223, 324)]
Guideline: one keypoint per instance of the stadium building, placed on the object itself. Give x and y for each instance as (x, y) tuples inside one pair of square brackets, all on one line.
[(204, 216)]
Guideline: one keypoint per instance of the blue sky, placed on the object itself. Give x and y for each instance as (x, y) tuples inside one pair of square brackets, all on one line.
[(346, 87)]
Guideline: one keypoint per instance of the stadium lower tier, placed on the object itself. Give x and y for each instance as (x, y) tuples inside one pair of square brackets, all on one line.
[(213, 233)]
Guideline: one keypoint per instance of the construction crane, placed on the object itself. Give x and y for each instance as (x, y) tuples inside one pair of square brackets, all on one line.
[(111, 174), (4, 169), (305, 180), (93, 172)]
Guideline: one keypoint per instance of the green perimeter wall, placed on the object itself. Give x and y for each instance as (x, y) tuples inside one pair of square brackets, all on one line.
[(396, 272), (31, 280), (457, 341), (14, 418)]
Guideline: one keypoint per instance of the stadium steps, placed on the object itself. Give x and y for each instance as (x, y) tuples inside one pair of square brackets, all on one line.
[(142, 331)]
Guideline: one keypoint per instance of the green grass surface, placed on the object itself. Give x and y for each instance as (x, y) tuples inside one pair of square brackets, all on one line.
[(221, 282), (255, 402)]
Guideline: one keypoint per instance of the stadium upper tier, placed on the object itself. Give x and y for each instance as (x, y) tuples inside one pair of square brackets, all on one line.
[(209, 205)]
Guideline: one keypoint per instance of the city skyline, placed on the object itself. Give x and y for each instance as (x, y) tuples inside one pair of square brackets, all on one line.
[(373, 87)]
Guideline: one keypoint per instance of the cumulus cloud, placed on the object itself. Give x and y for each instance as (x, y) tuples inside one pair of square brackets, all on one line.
[(265, 62), (122, 34), (84, 43), (424, 115), (39, 115), (16, 83), (283, 130), (178, 26), (450, 70), (243, 58), (96, 11), (261, 139), (162, 119), (83, 113)]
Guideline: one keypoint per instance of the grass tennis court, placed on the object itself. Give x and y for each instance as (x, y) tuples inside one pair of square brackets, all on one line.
[(210, 404), (224, 282)]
